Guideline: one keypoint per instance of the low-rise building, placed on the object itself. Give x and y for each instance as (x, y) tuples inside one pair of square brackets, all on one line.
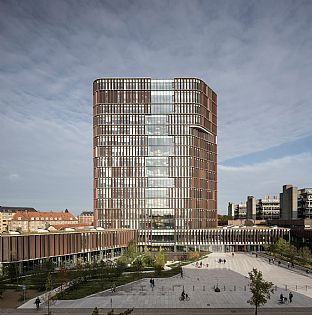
[(305, 203), (7, 213), (33, 221), (268, 208), (86, 217), (237, 210)]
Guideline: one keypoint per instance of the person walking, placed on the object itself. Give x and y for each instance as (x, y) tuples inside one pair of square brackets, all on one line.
[(290, 297), (151, 282), (113, 288), (37, 302), (282, 298)]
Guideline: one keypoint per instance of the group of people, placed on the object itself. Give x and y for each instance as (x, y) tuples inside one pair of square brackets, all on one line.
[(283, 298), (152, 283), (221, 261), (200, 265)]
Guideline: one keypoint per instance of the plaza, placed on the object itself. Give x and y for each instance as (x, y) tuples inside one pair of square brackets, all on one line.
[(199, 284)]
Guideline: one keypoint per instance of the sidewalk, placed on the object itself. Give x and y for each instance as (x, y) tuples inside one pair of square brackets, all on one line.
[(199, 284)]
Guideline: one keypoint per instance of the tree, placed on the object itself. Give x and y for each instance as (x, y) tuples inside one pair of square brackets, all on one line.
[(48, 286), (280, 246), (95, 311), (305, 254), (160, 261), (266, 247), (62, 278), (132, 250), (149, 260), (291, 252), (260, 289), (138, 263), (2, 287)]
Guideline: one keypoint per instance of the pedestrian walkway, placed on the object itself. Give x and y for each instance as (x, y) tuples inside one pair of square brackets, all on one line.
[(199, 284)]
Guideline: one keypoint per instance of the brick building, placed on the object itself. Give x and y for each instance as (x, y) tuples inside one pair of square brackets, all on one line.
[(7, 213), (33, 221)]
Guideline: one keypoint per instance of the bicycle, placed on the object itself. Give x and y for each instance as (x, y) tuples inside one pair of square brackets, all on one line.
[(284, 301), (181, 298)]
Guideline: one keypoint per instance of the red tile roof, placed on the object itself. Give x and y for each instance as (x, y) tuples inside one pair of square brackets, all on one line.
[(47, 216)]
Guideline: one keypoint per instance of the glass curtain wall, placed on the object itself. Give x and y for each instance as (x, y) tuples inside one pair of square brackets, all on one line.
[(155, 156)]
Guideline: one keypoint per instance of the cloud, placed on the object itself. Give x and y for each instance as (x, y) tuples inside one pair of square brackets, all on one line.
[(255, 54), (265, 178), (13, 177)]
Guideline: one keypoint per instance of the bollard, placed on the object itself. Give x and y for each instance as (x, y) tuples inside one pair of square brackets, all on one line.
[(234, 287), (224, 288), (296, 288), (306, 288), (193, 288), (285, 287), (203, 288), (173, 288), (244, 288)]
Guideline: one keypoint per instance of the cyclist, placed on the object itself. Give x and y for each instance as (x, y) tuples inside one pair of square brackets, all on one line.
[(183, 295)]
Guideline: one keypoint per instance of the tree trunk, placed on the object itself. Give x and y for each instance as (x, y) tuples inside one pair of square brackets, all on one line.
[(256, 312)]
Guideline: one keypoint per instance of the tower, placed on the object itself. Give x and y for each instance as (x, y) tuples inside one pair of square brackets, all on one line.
[(155, 157)]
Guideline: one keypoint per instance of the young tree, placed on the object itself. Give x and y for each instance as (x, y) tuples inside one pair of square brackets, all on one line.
[(260, 289), (62, 278), (138, 263), (266, 247), (132, 250), (49, 287), (291, 252), (305, 254), (280, 246), (160, 261), (2, 287)]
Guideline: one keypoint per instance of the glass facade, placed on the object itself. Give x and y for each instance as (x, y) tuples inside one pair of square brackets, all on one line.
[(155, 156)]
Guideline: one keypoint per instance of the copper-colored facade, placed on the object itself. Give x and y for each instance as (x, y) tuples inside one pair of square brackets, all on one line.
[(38, 246), (155, 156)]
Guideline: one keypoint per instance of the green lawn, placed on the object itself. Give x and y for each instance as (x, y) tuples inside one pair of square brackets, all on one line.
[(104, 282)]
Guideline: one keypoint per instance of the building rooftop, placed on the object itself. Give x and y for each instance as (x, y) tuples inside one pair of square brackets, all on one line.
[(48, 216), (15, 209)]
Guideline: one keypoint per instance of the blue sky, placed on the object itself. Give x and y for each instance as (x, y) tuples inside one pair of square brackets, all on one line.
[(256, 55)]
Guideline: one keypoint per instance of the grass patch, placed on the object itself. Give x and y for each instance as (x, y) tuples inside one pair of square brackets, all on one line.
[(95, 285)]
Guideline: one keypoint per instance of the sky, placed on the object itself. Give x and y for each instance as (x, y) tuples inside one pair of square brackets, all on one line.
[(256, 55)]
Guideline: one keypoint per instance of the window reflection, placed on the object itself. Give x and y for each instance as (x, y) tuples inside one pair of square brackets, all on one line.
[(156, 161), (157, 171), (157, 203), (156, 192), (160, 150), (160, 182), (156, 129)]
